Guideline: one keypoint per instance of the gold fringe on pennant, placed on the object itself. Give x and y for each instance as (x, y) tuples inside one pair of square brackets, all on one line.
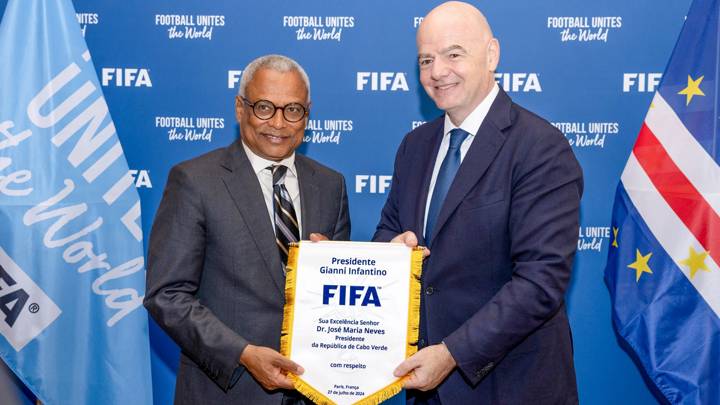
[(310, 392), (413, 332), (289, 309), (382, 395)]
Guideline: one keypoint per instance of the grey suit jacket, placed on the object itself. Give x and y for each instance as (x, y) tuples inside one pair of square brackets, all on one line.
[(214, 276)]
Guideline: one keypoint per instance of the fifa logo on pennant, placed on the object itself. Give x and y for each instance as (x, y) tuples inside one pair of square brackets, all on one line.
[(351, 295)]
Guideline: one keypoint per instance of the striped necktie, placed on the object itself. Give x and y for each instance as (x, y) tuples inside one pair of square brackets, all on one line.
[(287, 229)]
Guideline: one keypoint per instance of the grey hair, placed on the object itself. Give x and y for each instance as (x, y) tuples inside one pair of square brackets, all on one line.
[(278, 63)]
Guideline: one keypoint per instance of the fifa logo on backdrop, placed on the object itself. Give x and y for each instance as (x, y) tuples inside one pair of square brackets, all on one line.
[(641, 82), (85, 19), (519, 82), (126, 77), (233, 78), (371, 183), (381, 81)]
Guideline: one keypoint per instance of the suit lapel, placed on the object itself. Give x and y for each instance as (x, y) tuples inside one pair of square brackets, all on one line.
[(309, 197), (244, 188), (488, 141)]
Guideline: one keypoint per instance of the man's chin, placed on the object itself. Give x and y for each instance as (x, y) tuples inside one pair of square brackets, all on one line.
[(443, 103), (277, 153)]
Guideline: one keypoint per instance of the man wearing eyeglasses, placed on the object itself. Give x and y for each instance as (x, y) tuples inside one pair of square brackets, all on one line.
[(220, 239)]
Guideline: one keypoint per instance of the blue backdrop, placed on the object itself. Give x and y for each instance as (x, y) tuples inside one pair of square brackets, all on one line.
[(170, 70)]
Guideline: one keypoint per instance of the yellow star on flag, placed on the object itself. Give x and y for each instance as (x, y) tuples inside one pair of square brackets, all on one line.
[(692, 89), (695, 261), (615, 233), (640, 264)]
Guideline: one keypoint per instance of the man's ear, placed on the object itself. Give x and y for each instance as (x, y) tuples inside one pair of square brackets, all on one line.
[(239, 106), (493, 54)]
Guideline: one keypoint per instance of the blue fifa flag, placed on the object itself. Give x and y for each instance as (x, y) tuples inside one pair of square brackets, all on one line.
[(72, 271), (662, 269)]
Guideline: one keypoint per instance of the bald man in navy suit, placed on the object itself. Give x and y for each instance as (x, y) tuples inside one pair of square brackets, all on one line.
[(493, 191)]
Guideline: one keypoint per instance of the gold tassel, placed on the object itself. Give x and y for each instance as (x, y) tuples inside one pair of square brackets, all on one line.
[(413, 331), (289, 309), (383, 394), (286, 331), (310, 392)]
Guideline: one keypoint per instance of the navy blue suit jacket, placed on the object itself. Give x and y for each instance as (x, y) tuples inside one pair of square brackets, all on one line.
[(501, 256)]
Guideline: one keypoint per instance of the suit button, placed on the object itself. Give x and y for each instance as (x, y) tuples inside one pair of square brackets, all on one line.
[(421, 343), (429, 290)]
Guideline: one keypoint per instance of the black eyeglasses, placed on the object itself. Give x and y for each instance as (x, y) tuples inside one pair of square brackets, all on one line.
[(264, 109)]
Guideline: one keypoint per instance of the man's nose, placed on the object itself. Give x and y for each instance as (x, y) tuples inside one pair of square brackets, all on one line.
[(278, 120), (439, 69)]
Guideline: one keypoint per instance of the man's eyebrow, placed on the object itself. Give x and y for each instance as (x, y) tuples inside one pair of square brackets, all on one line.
[(453, 48), (443, 51)]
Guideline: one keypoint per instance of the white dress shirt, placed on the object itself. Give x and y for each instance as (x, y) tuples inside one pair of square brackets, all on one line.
[(471, 125), (260, 167)]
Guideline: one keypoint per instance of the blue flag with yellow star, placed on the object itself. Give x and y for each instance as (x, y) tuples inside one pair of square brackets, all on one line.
[(663, 264)]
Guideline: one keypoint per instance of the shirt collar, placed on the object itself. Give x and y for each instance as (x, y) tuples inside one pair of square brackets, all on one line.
[(472, 123), (259, 163)]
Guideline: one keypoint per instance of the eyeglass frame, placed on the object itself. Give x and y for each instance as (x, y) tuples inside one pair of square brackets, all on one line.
[(252, 106)]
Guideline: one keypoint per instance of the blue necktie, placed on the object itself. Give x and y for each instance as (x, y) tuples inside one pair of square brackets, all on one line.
[(445, 177)]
